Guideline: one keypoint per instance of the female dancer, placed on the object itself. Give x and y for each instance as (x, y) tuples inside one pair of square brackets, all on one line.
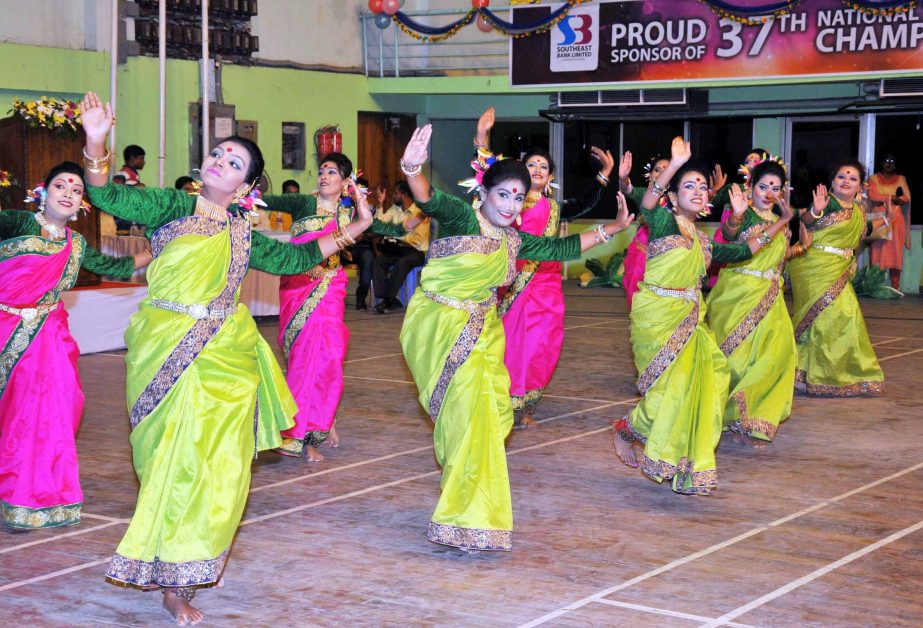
[(39, 259), (835, 355), (636, 253), (532, 306), (312, 334), (889, 195), (204, 390), (684, 376), (453, 341), (748, 316)]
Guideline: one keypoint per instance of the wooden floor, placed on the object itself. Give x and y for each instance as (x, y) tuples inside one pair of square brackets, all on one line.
[(824, 527)]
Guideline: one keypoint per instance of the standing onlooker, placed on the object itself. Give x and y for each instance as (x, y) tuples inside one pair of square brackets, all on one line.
[(889, 195), (398, 256), (134, 163)]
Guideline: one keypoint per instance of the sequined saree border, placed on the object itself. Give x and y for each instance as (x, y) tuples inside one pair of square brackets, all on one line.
[(525, 275), (849, 390), (670, 350), (458, 354), (30, 518), (297, 322), (753, 318), (203, 330), (750, 426), (143, 573), (822, 303), (528, 402), (700, 482), (470, 538)]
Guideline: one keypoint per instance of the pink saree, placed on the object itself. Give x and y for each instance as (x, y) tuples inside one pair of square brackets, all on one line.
[(313, 338), (532, 311), (40, 397), (635, 260)]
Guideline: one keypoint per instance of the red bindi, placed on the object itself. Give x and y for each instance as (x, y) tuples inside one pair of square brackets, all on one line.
[(70, 180), (229, 149), (515, 190)]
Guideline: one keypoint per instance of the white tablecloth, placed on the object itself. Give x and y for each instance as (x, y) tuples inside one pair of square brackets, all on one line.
[(99, 317), (260, 291)]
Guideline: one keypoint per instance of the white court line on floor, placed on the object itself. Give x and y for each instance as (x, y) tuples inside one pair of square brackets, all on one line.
[(86, 515), (814, 575), (591, 325), (899, 355), (663, 611), (374, 357), (62, 536), (370, 489), (714, 548), (397, 454), (407, 381), (595, 318), (886, 342)]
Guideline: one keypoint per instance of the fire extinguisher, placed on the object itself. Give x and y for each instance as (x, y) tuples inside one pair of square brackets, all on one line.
[(328, 139)]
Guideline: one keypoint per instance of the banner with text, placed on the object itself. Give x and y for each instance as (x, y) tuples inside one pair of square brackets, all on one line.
[(664, 40)]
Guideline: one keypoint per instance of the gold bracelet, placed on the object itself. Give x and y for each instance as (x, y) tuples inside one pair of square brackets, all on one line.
[(96, 164), (347, 236)]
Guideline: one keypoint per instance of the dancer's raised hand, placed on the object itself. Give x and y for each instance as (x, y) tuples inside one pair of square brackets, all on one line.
[(717, 179), (821, 198), (95, 117), (485, 124), (623, 219), (605, 158), (680, 151), (625, 166), (417, 151), (739, 202)]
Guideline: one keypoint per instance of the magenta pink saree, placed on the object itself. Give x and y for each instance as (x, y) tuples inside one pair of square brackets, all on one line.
[(532, 311), (40, 397), (314, 339)]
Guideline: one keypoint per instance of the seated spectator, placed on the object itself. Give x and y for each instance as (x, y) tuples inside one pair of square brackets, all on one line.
[(185, 183), (290, 187), (362, 254), (397, 257)]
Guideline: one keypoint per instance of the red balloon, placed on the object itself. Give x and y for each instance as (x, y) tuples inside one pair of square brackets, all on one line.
[(480, 4), (375, 6), (391, 6), (484, 25)]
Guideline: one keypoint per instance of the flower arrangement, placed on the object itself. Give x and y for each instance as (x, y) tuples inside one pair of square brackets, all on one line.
[(6, 182), (56, 114)]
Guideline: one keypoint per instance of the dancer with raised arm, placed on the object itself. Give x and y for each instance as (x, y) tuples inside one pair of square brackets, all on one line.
[(673, 432), (747, 313), (39, 259), (454, 345), (204, 391), (835, 355), (532, 306)]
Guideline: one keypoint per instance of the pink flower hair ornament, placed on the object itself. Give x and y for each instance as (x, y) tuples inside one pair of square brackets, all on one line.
[(484, 160), (38, 195)]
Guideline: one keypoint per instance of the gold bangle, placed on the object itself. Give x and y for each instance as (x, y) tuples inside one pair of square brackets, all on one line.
[(96, 164), (347, 236)]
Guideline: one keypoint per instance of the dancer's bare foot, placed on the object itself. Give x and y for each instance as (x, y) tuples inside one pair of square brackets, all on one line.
[(528, 421), (749, 441), (626, 451), (333, 441), (181, 610), (312, 454)]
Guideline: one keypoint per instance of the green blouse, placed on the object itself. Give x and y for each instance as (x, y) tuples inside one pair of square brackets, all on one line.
[(16, 223), (662, 223), (457, 218), (156, 207), (305, 205), (749, 219)]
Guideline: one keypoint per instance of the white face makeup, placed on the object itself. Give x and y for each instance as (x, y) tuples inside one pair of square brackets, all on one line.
[(692, 193), (225, 169), (540, 172), (503, 202), (846, 183), (769, 185), (65, 195)]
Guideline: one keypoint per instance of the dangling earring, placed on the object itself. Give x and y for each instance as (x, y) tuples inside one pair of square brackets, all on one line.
[(73, 218), (41, 203), (673, 206), (240, 194), (547, 190), (518, 220)]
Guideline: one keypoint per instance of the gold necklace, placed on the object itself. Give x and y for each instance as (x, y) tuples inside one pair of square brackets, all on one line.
[(686, 227), (325, 207), (209, 209), (488, 229), (766, 214), (54, 231)]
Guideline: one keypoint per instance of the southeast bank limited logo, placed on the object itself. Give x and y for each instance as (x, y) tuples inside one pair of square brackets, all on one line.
[(575, 40)]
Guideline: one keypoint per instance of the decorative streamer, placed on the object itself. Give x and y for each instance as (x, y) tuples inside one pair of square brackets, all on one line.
[(435, 34), (881, 7), (753, 12)]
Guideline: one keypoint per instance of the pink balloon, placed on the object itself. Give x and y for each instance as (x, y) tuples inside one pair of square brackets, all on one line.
[(484, 25), (391, 6)]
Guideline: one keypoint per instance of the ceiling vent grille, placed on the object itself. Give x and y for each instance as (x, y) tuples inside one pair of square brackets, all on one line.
[(622, 98), (901, 87)]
